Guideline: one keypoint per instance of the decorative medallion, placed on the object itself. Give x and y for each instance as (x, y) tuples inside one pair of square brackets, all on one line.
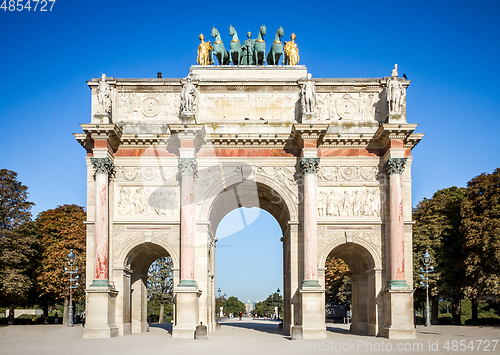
[(347, 109), (150, 107)]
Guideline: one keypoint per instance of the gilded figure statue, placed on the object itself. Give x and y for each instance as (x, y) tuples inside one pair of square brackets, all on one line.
[(394, 92), (204, 52), (291, 51)]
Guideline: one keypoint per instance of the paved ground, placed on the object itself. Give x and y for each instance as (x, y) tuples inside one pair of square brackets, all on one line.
[(255, 337)]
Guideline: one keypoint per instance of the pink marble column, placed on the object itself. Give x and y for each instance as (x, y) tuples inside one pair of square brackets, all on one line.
[(394, 168), (188, 169), (103, 167), (309, 167)]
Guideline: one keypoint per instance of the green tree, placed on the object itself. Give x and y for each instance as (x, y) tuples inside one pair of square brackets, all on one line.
[(437, 229), (17, 243), (235, 306), (61, 229), (481, 228), (338, 281), (160, 283), (266, 308)]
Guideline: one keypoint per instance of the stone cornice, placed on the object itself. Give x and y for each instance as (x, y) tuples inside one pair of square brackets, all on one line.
[(402, 132), (309, 131), (108, 132)]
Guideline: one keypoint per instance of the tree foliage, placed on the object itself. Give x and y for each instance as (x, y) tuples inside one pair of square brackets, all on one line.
[(17, 241), (61, 229), (338, 281), (266, 308), (437, 229), (481, 229), (160, 283), (235, 306)]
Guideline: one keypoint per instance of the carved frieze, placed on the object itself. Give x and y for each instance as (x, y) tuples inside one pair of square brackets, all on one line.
[(347, 173), (135, 107), (141, 201), (145, 173), (349, 202), (285, 176), (350, 107)]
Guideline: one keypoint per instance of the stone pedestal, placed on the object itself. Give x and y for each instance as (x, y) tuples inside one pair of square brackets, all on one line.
[(398, 314), (100, 321), (186, 312), (313, 317)]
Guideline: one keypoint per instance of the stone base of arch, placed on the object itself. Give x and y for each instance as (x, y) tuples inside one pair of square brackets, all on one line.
[(312, 312), (398, 314), (186, 312), (100, 319)]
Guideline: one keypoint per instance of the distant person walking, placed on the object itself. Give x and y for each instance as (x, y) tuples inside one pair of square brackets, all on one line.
[(240, 315)]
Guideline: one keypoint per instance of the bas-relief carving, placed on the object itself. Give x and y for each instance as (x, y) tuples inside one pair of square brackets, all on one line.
[(350, 107), (285, 177), (349, 202), (139, 201), (145, 173), (347, 173), (133, 107), (326, 237)]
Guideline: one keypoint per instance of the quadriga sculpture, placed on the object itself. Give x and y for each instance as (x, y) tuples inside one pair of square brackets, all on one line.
[(259, 52)]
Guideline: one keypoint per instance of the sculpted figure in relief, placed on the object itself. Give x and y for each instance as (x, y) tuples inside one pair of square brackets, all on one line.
[(204, 52), (394, 92), (349, 203), (104, 96), (188, 96), (309, 94)]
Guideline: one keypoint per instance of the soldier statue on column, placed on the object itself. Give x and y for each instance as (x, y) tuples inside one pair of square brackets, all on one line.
[(395, 92)]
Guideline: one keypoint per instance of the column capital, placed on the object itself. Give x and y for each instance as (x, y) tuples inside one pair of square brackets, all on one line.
[(395, 166), (309, 165), (103, 165), (188, 166)]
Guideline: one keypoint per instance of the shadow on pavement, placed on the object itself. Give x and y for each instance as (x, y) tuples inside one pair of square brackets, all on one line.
[(270, 327), (164, 326)]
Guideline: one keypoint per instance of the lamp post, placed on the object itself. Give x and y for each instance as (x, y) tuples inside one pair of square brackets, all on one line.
[(426, 259), (71, 272), (218, 313), (278, 304), (224, 296)]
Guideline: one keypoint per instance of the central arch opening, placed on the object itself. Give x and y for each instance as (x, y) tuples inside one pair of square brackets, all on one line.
[(250, 221)]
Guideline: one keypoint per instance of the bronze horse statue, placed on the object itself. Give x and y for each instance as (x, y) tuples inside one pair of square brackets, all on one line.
[(259, 51), (219, 51), (236, 53), (276, 51)]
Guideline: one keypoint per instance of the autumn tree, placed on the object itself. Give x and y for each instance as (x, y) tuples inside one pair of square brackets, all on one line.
[(17, 242), (61, 229), (481, 228), (337, 281), (160, 283), (437, 229)]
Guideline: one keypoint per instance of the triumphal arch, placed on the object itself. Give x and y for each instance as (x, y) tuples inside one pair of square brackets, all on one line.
[(330, 159)]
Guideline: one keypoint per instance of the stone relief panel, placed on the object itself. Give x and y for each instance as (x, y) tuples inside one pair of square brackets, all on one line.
[(140, 107), (327, 234), (350, 107), (146, 173), (349, 202), (284, 175), (211, 177), (348, 173), (152, 202)]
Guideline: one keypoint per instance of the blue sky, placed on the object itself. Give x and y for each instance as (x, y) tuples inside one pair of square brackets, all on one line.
[(448, 49)]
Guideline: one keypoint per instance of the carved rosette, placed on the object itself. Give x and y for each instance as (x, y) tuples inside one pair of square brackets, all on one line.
[(309, 165), (395, 166), (188, 166), (103, 165)]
